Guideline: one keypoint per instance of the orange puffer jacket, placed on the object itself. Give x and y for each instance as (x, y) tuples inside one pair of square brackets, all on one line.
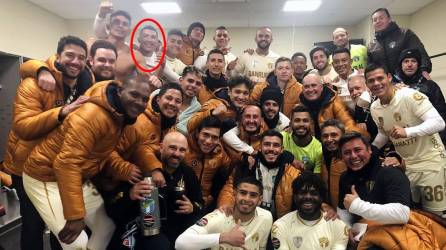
[(290, 95), (188, 54), (335, 108), (205, 165), (77, 150), (138, 146), (206, 110), (331, 179), (419, 233), (36, 114), (284, 191)]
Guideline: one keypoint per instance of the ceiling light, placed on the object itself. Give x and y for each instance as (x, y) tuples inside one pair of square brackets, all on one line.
[(301, 5), (161, 7)]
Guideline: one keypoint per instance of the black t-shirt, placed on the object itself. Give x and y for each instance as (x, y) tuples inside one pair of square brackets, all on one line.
[(175, 224), (376, 184)]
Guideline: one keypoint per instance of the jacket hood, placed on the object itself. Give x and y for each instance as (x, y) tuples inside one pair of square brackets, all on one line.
[(104, 95), (154, 114)]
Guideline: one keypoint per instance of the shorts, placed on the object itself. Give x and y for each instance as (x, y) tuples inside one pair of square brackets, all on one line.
[(429, 188)]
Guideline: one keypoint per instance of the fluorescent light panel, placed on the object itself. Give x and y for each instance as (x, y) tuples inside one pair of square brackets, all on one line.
[(301, 5), (161, 7)]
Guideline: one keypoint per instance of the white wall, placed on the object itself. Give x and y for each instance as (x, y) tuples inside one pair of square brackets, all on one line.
[(29, 30), (34, 33), (429, 24)]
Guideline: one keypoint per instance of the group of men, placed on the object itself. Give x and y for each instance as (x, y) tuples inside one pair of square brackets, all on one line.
[(270, 154)]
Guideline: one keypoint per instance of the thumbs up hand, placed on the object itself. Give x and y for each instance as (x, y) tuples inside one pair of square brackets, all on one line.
[(235, 237), (349, 198)]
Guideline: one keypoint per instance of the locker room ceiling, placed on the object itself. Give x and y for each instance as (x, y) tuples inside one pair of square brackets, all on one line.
[(240, 13)]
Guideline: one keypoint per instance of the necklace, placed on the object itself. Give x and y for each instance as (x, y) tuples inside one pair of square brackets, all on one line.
[(303, 222)]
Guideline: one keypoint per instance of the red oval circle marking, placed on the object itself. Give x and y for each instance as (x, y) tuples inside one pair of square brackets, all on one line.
[(132, 53)]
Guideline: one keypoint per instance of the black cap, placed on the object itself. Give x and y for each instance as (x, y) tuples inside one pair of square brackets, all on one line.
[(194, 25), (410, 53), (271, 93)]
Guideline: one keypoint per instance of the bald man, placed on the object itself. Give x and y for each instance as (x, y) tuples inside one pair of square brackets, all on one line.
[(325, 104), (260, 63), (181, 212), (358, 52)]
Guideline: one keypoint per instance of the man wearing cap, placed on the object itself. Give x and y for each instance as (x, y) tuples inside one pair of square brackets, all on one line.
[(191, 43), (410, 74)]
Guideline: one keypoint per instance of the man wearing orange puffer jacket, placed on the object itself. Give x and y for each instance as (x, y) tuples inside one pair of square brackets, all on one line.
[(57, 172), (36, 113), (282, 77), (207, 158)]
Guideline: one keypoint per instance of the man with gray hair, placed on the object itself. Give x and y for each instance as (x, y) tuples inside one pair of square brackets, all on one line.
[(325, 104)]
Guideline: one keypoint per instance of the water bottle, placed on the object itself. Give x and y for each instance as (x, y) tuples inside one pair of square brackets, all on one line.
[(150, 212)]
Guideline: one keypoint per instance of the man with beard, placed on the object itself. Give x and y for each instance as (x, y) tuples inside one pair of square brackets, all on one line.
[(260, 63), (248, 227), (410, 74), (362, 99), (305, 228), (270, 103), (358, 52), (273, 167), (101, 62), (301, 143), (57, 173), (179, 213), (37, 113), (319, 60), (191, 83), (191, 43), (245, 138), (333, 166), (323, 104), (390, 40), (299, 63), (227, 104), (343, 66), (281, 78), (214, 79), (408, 119)]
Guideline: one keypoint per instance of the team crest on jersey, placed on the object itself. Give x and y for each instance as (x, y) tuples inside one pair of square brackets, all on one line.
[(202, 222), (392, 44), (397, 117), (324, 242), (346, 231), (270, 65), (255, 237), (417, 96), (276, 243), (297, 241)]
